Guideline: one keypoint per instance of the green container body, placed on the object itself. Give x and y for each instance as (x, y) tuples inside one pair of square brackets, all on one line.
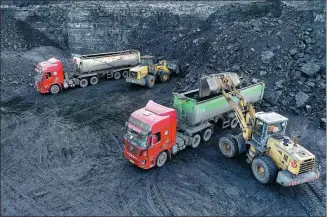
[(193, 112)]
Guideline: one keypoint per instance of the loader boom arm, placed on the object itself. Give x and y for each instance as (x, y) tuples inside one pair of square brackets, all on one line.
[(244, 119)]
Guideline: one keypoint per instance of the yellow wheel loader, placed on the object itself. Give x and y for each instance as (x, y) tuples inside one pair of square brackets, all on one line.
[(151, 70), (274, 157)]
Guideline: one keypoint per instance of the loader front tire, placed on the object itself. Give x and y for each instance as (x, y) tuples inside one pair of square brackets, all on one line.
[(150, 80), (228, 146), (164, 76), (264, 169)]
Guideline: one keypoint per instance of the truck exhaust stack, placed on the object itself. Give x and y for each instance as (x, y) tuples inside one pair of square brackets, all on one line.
[(209, 85)]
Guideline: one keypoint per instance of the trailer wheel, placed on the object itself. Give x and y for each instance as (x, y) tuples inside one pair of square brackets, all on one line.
[(234, 123), (264, 169), (83, 83), (228, 146), (196, 139), (117, 75), (54, 89), (206, 135), (164, 76), (161, 159), (150, 80), (125, 74), (94, 80)]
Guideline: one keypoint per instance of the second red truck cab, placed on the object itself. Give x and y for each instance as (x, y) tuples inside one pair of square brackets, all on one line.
[(150, 135)]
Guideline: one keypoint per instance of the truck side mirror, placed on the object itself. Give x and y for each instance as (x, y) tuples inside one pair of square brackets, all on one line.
[(149, 141)]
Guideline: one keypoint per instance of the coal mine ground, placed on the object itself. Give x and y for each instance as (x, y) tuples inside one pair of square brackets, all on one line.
[(63, 154)]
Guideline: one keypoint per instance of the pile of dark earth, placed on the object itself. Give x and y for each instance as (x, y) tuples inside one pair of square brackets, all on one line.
[(272, 42), (62, 154)]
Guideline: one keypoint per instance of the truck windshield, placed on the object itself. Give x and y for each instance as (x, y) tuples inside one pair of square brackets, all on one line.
[(38, 76), (136, 138)]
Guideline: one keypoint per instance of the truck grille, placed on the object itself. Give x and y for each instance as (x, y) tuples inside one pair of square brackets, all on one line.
[(132, 149), (133, 74), (307, 165)]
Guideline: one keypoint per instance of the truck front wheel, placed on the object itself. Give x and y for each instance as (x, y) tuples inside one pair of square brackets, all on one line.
[(150, 80), (264, 169), (83, 83), (228, 146), (161, 159), (54, 89)]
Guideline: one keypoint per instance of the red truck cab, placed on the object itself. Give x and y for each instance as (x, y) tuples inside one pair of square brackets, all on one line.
[(150, 135), (50, 76)]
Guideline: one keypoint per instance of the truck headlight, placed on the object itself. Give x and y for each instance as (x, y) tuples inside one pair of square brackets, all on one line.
[(143, 161)]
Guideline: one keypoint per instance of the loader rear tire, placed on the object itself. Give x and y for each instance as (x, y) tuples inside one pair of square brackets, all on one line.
[(150, 80), (54, 89), (83, 83), (228, 146), (164, 76), (264, 169)]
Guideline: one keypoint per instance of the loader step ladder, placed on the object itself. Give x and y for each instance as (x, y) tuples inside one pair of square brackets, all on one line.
[(226, 124), (250, 155)]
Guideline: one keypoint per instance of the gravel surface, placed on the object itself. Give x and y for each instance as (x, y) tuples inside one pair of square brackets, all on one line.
[(62, 154)]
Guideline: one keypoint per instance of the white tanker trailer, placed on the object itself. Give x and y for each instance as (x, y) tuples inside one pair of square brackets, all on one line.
[(87, 70)]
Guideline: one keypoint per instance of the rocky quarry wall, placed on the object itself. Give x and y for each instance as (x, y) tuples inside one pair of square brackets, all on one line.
[(282, 43)]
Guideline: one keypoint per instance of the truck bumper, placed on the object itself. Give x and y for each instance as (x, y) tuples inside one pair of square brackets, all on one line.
[(136, 81), (138, 160), (285, 178)]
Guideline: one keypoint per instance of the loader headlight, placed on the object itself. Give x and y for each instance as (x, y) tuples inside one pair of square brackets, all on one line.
[(294, 163)]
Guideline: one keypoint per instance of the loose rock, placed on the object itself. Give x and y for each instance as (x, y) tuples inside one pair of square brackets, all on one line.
[(301, 98), (310, 69)]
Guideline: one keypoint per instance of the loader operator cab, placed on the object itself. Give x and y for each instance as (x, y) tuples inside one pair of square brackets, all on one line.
[(149, 61), (268, 124)]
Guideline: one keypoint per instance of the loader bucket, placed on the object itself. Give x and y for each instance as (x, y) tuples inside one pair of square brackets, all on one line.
[(209, 85)]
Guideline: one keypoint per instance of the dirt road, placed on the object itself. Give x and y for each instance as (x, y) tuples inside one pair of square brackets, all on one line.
[(62, 155)]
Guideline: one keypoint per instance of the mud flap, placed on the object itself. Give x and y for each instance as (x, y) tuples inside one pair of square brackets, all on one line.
[(285, 178)]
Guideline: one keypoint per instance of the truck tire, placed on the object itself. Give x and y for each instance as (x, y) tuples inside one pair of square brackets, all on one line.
[(54, 89), (125, 74), (264, 169), (83, 82), (150, 80), (196, 139), (228, 146), (164, 76), (161, 159), (117, 75), (233, 123), (94, 80), (206, 135)]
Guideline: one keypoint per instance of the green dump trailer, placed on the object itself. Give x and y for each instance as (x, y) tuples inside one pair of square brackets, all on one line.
[(196, 114)]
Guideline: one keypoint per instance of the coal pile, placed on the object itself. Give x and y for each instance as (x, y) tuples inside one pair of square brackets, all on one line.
[(266, 41), (18, 35)]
